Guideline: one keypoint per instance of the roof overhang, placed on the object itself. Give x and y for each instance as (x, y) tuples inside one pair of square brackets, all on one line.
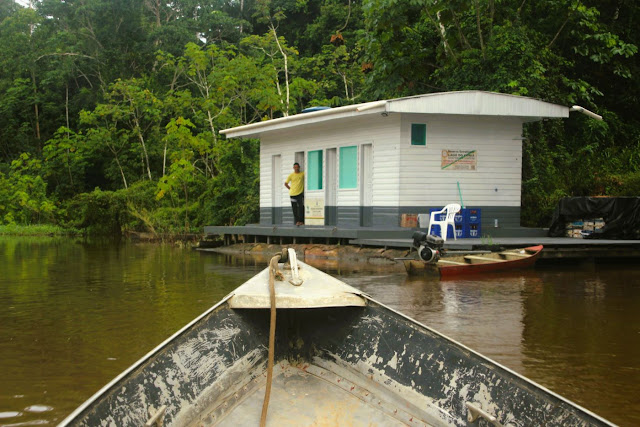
[(463, 103)]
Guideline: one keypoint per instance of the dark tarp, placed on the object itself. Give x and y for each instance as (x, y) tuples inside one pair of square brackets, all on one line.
[(621, 216)]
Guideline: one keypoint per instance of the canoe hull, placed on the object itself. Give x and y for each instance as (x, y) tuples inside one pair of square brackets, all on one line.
[(416, 267), (358, 365)]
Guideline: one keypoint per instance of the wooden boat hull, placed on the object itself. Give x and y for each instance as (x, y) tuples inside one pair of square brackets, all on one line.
[(360, 365), (460, 266)]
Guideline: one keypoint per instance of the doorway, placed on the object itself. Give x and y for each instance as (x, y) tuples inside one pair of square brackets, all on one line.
[(366, 185), (299, 158), (276, 189), (330, 209)]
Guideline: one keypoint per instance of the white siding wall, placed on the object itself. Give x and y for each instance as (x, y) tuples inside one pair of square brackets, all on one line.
[(382, 132), (499, 161)]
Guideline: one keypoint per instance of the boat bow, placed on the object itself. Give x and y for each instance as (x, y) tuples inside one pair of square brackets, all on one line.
[(318, 290)]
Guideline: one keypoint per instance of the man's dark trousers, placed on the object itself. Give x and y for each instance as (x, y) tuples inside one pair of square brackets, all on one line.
[(297, 204)]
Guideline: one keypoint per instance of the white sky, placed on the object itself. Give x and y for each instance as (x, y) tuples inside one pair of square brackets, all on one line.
[(24, 3)]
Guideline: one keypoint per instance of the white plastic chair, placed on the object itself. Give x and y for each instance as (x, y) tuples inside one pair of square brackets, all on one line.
[(450, 212)]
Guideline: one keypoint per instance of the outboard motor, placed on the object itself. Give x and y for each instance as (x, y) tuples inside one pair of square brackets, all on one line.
[(429, 247)]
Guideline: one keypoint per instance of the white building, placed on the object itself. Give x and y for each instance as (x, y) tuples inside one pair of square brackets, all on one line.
[(368, 164)]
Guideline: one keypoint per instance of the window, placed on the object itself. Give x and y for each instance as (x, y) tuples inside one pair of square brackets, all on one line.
[(418, 134), (314, 170), (349, 167)]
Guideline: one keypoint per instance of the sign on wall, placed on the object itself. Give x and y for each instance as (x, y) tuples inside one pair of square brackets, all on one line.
[(314, 210), (459, 160)]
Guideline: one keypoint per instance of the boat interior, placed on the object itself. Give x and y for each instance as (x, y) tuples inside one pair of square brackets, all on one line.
[(314, 383), (341, 358), (334, 366), (490, 257), (307, 394)]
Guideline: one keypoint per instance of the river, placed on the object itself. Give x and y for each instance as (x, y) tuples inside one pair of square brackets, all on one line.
[(75, 314)]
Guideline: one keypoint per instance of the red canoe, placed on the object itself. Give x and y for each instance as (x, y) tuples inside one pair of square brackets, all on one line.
[(510, 259)]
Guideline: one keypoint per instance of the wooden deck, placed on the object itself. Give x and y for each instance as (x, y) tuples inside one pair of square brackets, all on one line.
[(554, 247), (277, 234), (396, 237)]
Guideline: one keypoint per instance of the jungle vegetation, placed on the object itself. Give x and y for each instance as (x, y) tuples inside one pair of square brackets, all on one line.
[(110, 110)]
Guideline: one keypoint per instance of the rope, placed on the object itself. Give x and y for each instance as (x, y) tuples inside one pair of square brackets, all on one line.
[(273, 266)]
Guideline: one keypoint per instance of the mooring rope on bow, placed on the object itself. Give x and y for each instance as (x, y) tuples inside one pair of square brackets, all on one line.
[(273, 266)]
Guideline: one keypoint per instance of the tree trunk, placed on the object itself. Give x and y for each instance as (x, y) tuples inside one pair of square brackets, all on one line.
[(115, 154), (479, 28), (164, 159), (286, 70), (35, 107), (66, 111), (443, 35), (186, 207), (138, 130)]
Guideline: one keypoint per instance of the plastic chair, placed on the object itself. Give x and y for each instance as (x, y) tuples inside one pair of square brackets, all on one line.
[(450, 212)]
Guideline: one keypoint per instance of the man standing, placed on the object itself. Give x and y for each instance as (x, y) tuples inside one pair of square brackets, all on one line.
[(296, 192)]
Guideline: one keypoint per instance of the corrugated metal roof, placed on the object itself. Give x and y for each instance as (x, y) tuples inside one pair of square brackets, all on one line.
[(478, 103), (470, 103)]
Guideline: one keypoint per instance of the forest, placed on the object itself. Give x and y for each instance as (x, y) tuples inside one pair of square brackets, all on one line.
[(110, 110)]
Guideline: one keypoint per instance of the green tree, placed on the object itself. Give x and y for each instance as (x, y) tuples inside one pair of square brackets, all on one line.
[(138, 114), (64, 159), (23, 195)]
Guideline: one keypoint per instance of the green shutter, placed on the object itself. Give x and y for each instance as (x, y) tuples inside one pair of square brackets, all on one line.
[(349, 167), (418, 134), (314, 170)]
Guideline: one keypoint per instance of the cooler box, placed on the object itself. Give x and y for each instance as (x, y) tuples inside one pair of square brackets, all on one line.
[(473, 215), (472, 231)]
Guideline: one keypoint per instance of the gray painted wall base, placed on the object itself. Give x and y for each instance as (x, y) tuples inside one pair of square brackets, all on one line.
[(389, 216)]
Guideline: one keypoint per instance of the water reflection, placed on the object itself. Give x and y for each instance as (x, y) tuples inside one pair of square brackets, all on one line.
[(76, 314), (582, 337), (575, 332), (79, 313)]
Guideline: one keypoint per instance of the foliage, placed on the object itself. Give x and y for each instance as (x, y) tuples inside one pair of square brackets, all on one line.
[(97, 212), (23, 194), (37, 230), (112, 109)]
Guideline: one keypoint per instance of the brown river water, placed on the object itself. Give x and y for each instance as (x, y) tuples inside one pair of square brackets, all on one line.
[(74, 314)]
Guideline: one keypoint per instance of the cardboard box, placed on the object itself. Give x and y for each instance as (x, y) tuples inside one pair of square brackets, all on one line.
[(574, 233), (409, 220)]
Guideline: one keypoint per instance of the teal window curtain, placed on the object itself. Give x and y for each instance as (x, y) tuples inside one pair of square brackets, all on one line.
[(418, 134), (314, 170), (349, 167)]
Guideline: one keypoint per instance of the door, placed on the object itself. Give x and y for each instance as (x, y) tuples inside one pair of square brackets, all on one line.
[(330, 209), (276, 189), (366, 185), (299, 159)]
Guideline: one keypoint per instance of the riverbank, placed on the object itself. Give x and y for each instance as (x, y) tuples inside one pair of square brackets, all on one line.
[(48, 230), (312, 251), (38, 230)]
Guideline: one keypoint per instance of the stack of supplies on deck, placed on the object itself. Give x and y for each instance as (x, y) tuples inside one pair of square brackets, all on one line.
[(583, 227)]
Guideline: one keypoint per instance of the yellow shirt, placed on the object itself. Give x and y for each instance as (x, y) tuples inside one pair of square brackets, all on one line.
[(297, 183)]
